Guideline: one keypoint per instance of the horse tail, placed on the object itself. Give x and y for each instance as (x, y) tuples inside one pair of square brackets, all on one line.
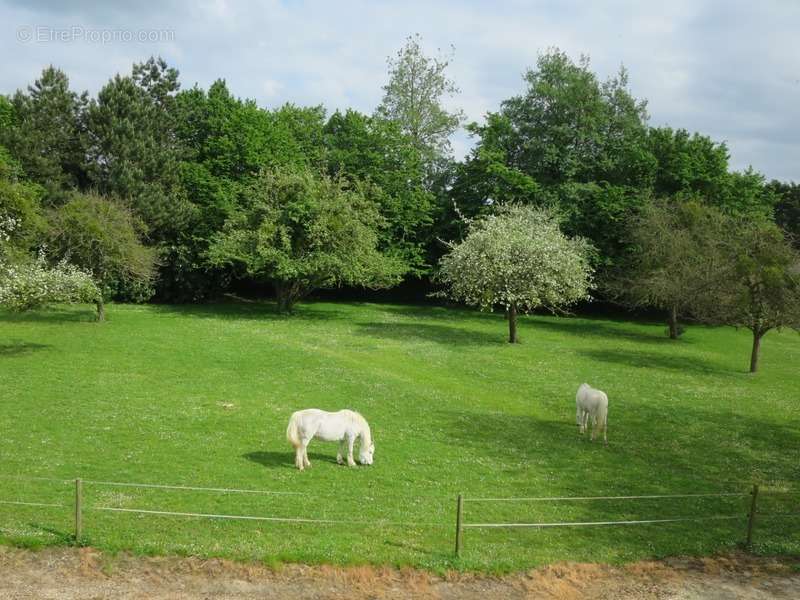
[(603, 412), (293, 432)]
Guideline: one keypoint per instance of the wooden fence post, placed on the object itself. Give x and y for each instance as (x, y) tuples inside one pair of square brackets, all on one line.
[(78, 510), (751, 518), (459, 519)]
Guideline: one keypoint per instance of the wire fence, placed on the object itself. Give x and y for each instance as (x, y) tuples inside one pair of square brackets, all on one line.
[(749, 516), (79, 509)]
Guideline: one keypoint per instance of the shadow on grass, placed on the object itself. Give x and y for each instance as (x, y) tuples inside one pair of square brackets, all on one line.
[(652, 360), (52, 315), (656, 448), (584, 327), (236, 311), (531, 324), (17, 347), (451, 312), (284, 460), (442, 334)]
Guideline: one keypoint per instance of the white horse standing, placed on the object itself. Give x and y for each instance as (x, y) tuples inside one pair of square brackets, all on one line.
[(591, 407), (343, 426)]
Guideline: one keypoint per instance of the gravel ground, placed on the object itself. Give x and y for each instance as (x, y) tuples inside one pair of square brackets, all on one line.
[(88, 574)]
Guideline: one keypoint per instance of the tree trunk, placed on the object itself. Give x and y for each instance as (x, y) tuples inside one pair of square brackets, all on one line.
[(101, 310), (512, 324), (285, 299), (672, 320), (757, 335), (288, 294)]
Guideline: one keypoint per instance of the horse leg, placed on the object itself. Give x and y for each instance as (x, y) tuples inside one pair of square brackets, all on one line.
[(605, 431), (298, 457), (306, 462), (350, 441), (340, 454)]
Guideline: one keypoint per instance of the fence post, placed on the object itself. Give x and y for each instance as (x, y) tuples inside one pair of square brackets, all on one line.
[(78, 510), (459, 519), (751, 518)]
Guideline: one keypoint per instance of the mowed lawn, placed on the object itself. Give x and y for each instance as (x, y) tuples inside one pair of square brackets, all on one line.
[(200, 396)]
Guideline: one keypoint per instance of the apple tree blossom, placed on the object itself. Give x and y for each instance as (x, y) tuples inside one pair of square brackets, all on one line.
[(518, 259)]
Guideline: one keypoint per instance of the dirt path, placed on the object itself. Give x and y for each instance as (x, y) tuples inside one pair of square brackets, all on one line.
[(86, 573)]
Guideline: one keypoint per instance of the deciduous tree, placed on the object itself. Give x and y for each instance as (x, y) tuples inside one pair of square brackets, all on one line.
[(678, 260), (518, 259), (359, 147), (414, 99), (764, 293), (102, 237), (303, 231)]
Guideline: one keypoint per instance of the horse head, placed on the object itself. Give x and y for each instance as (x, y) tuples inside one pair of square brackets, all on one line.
[(365, 454)]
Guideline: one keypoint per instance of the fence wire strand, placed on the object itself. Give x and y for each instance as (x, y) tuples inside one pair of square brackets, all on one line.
[(590, 523), (570, 498), (259, 518), (190, 488), (18, 503), (35, 478)]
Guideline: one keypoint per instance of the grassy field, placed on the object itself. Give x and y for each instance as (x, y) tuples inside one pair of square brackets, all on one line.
[(200, 396)]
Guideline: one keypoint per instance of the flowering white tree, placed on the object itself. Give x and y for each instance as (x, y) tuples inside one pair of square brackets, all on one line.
[(518, 259), (29, 284)]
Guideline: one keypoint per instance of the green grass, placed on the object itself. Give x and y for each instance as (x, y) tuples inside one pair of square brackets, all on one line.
[(144, 398)]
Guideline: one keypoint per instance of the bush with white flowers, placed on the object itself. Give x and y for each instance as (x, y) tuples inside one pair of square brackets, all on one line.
[(30, 284)]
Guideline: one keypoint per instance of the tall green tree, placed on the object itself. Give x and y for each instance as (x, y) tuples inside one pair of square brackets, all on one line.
[(568, 141), (6, 114), (133, 148), (687, 163), (569, 127), (44, 129), (414, 99), (359, 147), (303, 231), (787, 208), (225, 142)]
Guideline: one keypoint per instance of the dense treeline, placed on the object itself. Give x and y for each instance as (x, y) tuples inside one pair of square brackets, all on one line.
[(177, 194)]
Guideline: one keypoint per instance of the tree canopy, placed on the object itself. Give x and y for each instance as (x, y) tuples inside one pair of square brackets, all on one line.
[(764, 292), (302, 231), (413, 98), (678, 262), (184, 164)]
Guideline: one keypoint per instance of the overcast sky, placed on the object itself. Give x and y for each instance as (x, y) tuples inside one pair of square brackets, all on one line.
[(727, 68)]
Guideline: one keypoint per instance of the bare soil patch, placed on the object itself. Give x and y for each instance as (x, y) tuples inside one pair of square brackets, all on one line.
[(86, 573)]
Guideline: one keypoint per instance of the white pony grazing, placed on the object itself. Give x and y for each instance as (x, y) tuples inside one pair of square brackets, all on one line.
[(343, 426), (591, 407)]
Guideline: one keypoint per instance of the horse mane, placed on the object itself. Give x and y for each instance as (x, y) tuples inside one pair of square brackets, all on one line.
[(366, 433)]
